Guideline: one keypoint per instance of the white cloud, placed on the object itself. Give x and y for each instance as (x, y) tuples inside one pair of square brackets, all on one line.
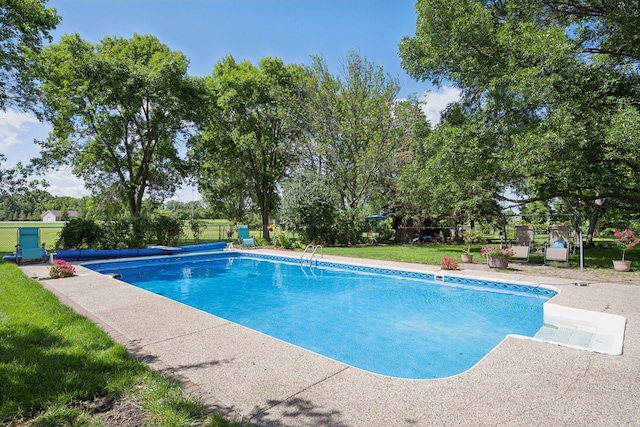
[(433, 103), (63, 183), (13, 126)]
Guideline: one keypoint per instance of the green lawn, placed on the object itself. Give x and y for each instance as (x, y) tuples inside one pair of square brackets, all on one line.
[(9, 234), (597, 257), (55, 365)]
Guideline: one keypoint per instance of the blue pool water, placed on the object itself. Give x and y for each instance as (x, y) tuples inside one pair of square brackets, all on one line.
[(399, 324)]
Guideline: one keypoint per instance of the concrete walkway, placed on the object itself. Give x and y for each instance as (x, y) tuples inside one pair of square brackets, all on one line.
[(259, 379)]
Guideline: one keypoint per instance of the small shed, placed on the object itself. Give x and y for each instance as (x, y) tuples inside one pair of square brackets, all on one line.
[(53, 216)]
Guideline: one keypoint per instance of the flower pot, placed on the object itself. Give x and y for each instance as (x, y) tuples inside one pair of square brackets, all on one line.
[(497, 261), (619, 265), (467, 257)]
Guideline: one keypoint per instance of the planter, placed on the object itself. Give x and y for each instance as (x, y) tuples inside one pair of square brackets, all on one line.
[(497, 261), (619, 265), (468, 258)]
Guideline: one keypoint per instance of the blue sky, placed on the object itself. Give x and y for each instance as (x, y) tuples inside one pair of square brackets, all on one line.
[(207, 30)]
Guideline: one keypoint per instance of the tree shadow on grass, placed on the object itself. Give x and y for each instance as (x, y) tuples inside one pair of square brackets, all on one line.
[(40, 366)]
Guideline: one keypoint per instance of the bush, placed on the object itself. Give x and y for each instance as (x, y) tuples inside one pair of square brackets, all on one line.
[(280, 238), (310, 206), (350, 227), (79, 233), (166, 231), (116, 234), (385, 230), (197, 227), (259, 241)]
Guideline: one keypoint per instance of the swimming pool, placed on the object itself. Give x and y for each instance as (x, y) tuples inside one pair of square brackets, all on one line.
[(403, 324)]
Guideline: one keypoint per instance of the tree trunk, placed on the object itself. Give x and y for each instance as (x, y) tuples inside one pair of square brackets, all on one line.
[(264, 211), (593, 222)]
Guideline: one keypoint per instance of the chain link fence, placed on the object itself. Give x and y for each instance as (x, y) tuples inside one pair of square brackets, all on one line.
[(49, 233)]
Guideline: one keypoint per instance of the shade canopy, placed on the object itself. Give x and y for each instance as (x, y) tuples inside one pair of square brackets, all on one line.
[(375, 217)]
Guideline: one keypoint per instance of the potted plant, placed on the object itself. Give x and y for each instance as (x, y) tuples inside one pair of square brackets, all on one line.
[(497, 256), (61, 269), (469, 236), (448, 263), (626, 240), (229, 232)]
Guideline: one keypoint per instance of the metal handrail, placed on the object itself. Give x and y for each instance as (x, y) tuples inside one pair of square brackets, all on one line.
[(313, 253)]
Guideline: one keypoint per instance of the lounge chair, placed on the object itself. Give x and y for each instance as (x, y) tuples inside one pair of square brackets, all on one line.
[(243, 236), (557, 251), (520, 253), (29, 247), (560, 233), (524, 235), (523, 243)]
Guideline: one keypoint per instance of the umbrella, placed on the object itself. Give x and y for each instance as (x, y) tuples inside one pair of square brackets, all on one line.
[(375, 217)]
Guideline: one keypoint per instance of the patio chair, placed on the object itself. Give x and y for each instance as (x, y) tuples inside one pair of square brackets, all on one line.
[(557, 251), (29, 247), (243, 236), (524, 235), (520, 253), (560, 233)]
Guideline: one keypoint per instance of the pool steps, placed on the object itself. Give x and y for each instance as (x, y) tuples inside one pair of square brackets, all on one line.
[(583, 329)]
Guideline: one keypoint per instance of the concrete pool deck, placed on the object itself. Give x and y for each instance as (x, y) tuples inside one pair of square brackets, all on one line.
[(262, 380)]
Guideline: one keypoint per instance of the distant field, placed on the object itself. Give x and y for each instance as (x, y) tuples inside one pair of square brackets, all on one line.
[(9, 233), (213, 230)]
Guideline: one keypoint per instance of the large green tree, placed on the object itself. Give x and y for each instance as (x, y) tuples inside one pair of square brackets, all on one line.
[(24, 27), (436, 178), (550, 87), (119, 110), (357, 130), (252, 130)]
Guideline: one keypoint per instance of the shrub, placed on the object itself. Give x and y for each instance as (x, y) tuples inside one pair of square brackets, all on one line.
[(280, 238), (310, 206), (197, 227), (79, 233), (385, 230), (260, 241), (116, 234), (60, 269), (349, 228), (166, 230)]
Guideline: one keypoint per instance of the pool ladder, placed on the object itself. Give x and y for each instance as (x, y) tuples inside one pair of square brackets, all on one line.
[(312, 254)]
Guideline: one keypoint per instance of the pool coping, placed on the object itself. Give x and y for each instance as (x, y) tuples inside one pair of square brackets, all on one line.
[(259, 379)]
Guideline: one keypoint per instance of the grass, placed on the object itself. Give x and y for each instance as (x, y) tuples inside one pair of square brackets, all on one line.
[(55, 364), (599, 256), (9, 234)]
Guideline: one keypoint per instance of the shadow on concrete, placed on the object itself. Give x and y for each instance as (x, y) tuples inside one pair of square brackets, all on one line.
[(297, 412)]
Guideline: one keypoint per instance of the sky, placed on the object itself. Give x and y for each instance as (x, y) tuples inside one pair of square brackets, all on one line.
[(207, 30)]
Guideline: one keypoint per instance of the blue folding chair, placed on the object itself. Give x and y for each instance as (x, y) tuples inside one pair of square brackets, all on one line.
[(243, 236), (29, 247)]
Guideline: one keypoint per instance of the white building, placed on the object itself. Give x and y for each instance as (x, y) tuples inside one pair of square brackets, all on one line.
[(53, 216)]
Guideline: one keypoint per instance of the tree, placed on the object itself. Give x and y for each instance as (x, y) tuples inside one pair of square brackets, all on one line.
[(119, 109), (24, 27), (253, 128), (453, 173), (547, 82), (355, 131)]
